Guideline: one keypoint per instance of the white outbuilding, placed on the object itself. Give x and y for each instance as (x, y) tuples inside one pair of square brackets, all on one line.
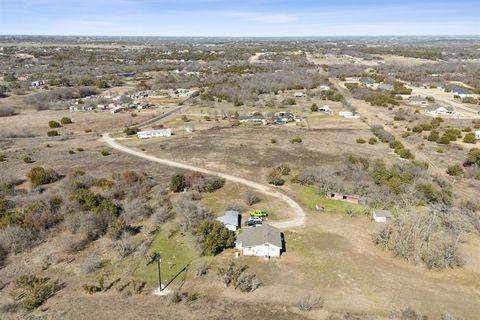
[(154, 133), (382, 216)]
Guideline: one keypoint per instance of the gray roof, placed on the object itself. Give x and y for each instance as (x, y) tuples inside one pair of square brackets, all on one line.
[(383, 213), (457, 89), (367, 80), (417, 98), (260, 235), (231, 217), (386, 87)]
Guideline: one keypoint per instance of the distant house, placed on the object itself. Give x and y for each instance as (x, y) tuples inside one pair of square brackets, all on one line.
[(386, 87), (252, 120), (345, 197), (117, 109), (439, 110), (38, 83), (299, 94), (325, 109), (369, 82), (477, 134), (261, 241), (231, 220), (189, 129), (81, 108), (349, 115), (382, 216), (418, 101), (324, 88), (458, 90), (154, 133)]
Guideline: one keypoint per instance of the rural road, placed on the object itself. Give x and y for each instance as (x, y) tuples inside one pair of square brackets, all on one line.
[(298, 221)]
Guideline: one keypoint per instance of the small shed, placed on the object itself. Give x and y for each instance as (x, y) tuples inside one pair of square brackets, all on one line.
[(231, 220), (382, 216)]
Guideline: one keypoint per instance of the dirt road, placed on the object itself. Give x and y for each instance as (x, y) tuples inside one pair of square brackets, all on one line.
[(298, 221)]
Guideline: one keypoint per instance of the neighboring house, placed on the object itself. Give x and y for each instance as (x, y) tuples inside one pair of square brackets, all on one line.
[(117, 109), (325, 109), (382, 216), (458, 90), (477, 134), (81, 108), (261, 241), (352, 79), (438, 110), (324, 88), (418, 101), (349, 115), (189, 129), (299, 95), (369, 82), (345, 197), (386, 87), (231, 220), (252, 120), (154, 133), (38, 83)]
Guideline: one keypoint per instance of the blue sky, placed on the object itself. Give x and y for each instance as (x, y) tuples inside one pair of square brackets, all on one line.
[(239, 17)]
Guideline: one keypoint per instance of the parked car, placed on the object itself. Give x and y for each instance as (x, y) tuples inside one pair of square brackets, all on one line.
[(256, 219), (251, 223), (259, 213)]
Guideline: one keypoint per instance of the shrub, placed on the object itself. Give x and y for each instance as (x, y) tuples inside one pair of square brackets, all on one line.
[(213, 237), (237, 277), (251, 198), (433, 136), (80, 149), (130, 131), (105, 153), (473, 158), (372, 141), (455, 170), (470, 138), (3, 158), (185, 118), (177, 183), (71, 151), (309, 303), (53, 124), (296, 140), (104, 183), (39, 176), (405, 154), (66, 120), (28, 159), (7, 111), (361, 140), (52, 133), (32, 291), (273, 140), (314, 107)]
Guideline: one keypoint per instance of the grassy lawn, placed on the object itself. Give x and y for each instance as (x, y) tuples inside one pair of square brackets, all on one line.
[(177, 253), (309, 196)]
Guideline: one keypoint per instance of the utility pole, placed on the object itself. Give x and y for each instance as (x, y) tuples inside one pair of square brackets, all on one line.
[(157, 257)]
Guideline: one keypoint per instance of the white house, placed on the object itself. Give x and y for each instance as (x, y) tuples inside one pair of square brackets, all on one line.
[(382, 216), (299, 94), (349, 115), (438, 110), (37, 83), (324, 88), (418, 101), (477, 134), (231, 220), (325, 109), (154, 133), (261, 241)]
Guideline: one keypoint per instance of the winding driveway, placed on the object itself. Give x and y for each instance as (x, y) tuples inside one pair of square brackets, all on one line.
[(298, 221)]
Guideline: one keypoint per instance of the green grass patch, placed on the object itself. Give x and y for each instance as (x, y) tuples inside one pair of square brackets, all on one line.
[(177, 253), (310, 197)]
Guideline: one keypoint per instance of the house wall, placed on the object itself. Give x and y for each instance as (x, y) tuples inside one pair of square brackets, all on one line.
[(262, 251)]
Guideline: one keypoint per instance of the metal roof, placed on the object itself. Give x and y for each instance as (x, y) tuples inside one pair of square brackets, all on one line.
[(260, 235)]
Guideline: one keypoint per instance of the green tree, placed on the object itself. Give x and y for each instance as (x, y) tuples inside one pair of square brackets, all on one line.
[(177, 183), (213, 237), (314, 107), (66, 120)]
